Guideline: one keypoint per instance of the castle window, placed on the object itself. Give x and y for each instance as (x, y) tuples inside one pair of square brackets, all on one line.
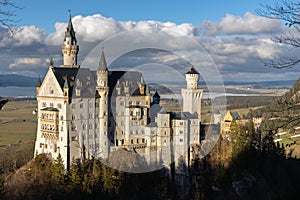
[(62, 128), (44, 104), (61, 138), (137, 141), (73, 117), (59, 106), (81, 105), (51, 91), (181, 132), (74, 138), (51, 104), (73, 106), (143, 140), (41, 145), (165, 141), (122, 103), (131, 141), (181, 140)]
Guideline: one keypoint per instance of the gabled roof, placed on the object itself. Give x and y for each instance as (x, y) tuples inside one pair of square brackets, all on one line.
[(61, 74), (235, 115)]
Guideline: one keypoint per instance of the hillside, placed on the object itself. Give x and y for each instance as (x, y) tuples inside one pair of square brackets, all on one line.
[(284, 109), (17, 80)]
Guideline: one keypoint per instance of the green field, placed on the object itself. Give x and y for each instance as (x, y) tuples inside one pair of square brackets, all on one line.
[(17, 123)]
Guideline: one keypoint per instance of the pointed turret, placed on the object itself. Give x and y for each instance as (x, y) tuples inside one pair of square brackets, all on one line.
[(156, 98), (38, 85), (70, 48), (70, 33), (102, 64), (39, 82), (66, 87), (102, 71)]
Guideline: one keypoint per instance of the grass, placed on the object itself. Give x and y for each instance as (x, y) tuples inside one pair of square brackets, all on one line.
[(17, 123)]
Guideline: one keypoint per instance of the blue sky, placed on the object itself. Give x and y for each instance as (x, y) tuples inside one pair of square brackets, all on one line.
[(45, 14), (231, 33)]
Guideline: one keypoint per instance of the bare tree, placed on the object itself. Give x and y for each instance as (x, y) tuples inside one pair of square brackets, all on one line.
[(287, 11), (8, 14)]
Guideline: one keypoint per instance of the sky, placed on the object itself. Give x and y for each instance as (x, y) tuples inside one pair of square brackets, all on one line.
[(236, 39)]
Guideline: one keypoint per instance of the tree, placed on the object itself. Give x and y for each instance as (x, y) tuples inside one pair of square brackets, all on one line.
[(288, 12), (58, 171), (74, 177), (8, 14)]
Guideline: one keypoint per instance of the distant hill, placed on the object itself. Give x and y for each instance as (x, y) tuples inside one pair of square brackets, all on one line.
[(17, 80), (284, 111), (26, 81)]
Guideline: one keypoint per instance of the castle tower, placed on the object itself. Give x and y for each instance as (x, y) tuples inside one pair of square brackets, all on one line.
[(192, 94), (102, 88), (70, 48)]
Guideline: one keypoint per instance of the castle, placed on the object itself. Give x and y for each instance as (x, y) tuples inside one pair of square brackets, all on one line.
[(84, 113)]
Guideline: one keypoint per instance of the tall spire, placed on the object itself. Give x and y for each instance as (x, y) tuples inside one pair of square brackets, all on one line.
[(102, 64), (39, 82), (70, 31), (70, 48)]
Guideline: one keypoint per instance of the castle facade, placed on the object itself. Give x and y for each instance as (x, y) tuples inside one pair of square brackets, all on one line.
[(84, 113)]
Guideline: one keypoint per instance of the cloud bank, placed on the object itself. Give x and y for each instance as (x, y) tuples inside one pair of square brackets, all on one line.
[(238, 45)]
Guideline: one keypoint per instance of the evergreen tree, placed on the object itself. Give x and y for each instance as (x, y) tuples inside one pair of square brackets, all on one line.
[(74, 176), (58, 171)]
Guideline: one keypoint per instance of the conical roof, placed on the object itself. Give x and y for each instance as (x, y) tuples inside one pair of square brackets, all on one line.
[(102, 64), (70, 32), (192, 71)]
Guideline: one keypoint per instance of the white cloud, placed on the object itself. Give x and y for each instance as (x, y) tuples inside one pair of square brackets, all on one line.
[(26, 36), (248, 24), (22, 63), (236, 56)]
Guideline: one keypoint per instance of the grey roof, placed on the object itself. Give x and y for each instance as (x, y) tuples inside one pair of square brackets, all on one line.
[(235, 115), (154, 109), (152, 124), (183, 115), (70, 32), (131, 77), (192, 71), (62, 74), (88, 79), (156, 95), (102, 64)]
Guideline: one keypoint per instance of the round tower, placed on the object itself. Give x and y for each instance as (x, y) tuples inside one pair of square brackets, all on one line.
[(70, 48), (192, 78)]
